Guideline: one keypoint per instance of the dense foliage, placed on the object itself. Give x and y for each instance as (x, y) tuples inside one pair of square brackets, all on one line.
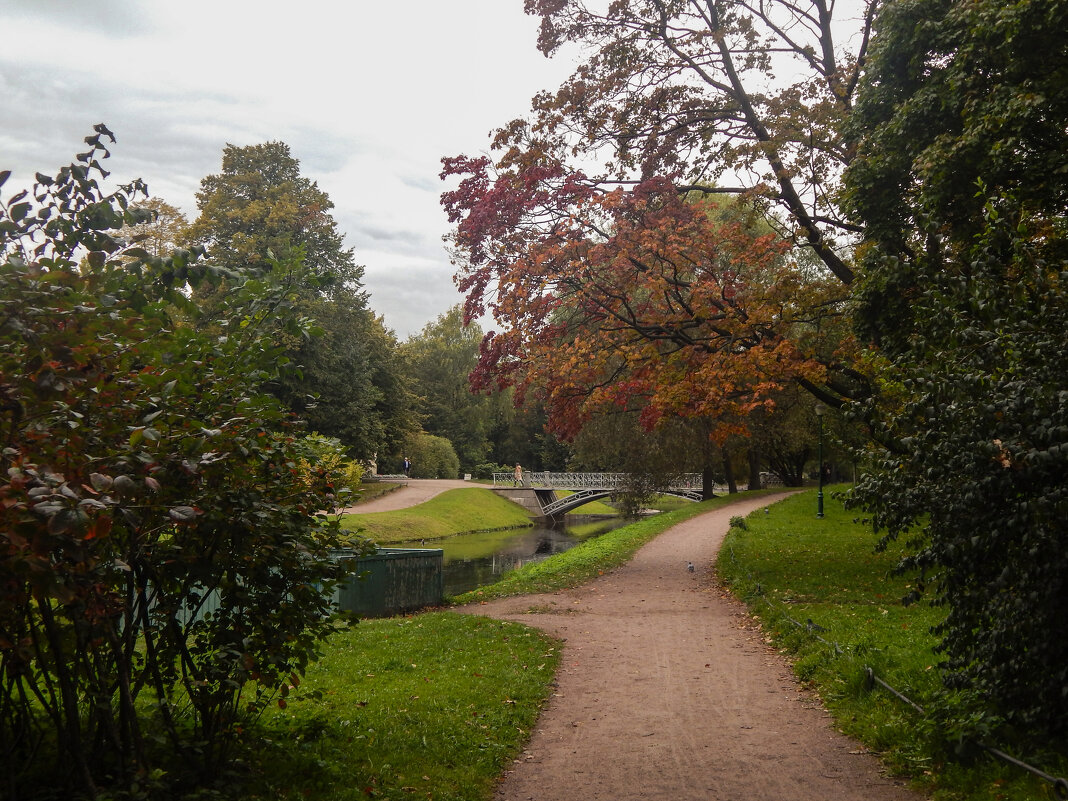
[(162, 559), (438, 360), (959, 180), (431, 456), (581, 234), (347, 382), (260, 207)]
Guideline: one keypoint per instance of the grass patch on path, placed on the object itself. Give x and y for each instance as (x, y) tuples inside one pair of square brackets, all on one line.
[(457, 511), (815, 583)]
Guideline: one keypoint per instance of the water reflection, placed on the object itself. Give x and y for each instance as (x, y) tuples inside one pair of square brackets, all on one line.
[(475, 560)]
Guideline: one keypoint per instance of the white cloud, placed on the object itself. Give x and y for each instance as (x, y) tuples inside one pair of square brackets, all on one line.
[(368, 95)]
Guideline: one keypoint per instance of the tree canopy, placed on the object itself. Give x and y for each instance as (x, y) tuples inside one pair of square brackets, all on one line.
[(438, 360), (346, 382), (261, 208), (961, 153), (591, 202)]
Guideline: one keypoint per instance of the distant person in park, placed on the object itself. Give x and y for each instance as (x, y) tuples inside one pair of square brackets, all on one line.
[(518, 475), (407, 466)]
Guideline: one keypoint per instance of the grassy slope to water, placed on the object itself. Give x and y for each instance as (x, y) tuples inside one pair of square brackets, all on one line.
[(458, 511), (596, 556), (452, 512), (793, 568)]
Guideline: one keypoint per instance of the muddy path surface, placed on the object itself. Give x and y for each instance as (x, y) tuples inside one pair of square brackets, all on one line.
[(667, 690)]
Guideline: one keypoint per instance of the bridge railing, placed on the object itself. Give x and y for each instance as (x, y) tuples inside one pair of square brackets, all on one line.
[(578, 481)]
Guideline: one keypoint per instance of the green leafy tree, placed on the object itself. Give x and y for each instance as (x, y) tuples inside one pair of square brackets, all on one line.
[(431, 456), (350, 383), (260, 207), (651, 460), (439, 360), (162, 563), (519, 433), (959, 180), (346, 382), (164, 231)]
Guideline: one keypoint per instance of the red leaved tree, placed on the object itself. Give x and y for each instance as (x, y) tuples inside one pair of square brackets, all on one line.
[(582, 236)]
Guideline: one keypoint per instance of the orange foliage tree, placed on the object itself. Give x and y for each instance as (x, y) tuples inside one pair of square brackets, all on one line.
[(646, 297), (611, 282)]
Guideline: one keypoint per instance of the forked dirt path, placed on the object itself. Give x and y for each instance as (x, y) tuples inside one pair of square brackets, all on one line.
[(668, 691), (412, 491)]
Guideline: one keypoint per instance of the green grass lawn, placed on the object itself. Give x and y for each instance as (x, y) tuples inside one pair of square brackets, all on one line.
[(432, 706), (793, 568), (457, 511)]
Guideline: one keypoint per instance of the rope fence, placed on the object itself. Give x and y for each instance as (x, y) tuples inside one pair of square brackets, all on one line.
[(1058, 783)]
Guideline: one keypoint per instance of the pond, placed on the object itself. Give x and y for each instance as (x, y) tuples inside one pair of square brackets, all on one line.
[(475, 560)]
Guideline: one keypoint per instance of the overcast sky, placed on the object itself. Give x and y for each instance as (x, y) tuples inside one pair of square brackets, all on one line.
[(368, 94)]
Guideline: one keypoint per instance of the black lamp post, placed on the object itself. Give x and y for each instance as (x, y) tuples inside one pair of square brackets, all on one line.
[(820, 408)]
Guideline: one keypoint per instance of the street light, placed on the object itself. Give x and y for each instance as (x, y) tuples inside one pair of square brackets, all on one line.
[(820, 409)]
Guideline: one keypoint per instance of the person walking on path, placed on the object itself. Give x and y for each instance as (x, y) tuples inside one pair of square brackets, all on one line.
[(517, 479), (668, 690)]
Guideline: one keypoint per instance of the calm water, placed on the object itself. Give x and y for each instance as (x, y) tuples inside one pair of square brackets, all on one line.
[(475, 560)]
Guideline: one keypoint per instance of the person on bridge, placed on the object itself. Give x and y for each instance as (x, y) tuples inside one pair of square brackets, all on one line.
[(518, 482)]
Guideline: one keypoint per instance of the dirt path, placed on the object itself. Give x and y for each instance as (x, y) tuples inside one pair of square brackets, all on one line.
[(668, 691), (412, 492)]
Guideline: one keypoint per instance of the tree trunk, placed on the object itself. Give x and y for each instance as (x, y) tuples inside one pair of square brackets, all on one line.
[(728, 471), (708, 480), (754, 468)]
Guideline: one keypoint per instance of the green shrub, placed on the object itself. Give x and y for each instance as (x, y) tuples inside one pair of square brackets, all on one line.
[(160, 552)]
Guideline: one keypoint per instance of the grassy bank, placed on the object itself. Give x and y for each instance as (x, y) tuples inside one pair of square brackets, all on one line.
[(452, 512), (825, 596), (590, 559), (433, 706)]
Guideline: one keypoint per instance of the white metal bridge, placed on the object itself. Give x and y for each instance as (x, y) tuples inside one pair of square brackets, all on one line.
[(586, 487)]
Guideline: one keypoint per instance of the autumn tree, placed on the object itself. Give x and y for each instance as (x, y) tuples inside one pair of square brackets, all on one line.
[(958, 181), (675, 99), (162, 563), (164, 230), (652, 297)]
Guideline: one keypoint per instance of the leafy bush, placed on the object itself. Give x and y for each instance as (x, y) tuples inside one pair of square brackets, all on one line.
[(324, 464), (158, 548), (487, 469), (432, 457)]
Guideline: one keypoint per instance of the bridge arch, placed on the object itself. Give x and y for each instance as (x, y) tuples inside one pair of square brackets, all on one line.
[(540, 488)]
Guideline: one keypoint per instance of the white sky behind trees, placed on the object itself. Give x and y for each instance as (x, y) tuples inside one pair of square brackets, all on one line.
[(368, 94)]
